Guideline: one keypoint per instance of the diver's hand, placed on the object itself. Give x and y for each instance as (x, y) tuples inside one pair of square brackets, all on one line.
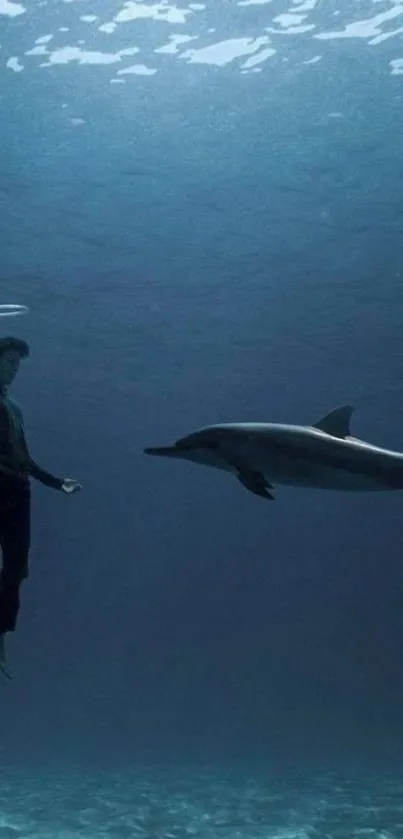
[(69, 485)]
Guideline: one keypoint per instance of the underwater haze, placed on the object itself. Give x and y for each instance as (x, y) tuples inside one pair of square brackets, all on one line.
[(201, 204)]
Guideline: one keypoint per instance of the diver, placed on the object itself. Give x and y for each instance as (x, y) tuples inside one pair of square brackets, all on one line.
[(16, 468)]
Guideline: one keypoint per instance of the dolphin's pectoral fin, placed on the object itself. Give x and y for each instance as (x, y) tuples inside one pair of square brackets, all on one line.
[(255, 482), (337, 423)]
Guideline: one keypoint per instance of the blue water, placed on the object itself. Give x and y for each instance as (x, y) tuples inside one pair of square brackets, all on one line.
[(201, 206)]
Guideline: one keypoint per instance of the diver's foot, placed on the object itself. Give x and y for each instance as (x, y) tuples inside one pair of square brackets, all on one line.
[(4, 669)]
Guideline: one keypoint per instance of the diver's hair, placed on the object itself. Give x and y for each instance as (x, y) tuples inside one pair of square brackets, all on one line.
[(16, 344)]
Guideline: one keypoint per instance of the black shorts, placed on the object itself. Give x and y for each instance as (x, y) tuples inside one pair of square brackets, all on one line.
[(15, 533)]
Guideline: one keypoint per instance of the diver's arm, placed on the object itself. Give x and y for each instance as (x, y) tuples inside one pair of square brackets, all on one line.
[(44, 477), (38, 473)]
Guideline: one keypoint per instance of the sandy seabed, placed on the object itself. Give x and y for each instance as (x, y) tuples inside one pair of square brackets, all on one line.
[(155, 803)]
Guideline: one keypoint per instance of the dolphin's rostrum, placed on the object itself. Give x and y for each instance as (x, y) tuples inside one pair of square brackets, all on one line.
[(321, 456)]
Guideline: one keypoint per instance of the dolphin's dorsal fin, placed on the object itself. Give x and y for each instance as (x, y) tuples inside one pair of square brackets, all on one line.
[(337, 423)]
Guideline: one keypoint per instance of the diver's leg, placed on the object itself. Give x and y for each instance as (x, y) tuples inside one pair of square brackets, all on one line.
[(4, 668), (15, 541)]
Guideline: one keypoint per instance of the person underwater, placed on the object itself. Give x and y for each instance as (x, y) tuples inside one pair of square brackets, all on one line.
[(16, 469)]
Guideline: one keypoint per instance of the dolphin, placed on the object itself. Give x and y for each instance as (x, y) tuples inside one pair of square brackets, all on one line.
[(319, 456)]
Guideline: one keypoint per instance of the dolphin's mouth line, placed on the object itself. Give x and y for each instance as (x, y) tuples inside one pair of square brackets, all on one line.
[(160, 450), (178, 448)]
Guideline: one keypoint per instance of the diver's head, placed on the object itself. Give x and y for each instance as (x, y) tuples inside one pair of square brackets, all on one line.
[(12, 350)]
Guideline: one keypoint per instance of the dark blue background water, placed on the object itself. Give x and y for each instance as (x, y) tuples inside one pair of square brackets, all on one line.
[(205, 246)]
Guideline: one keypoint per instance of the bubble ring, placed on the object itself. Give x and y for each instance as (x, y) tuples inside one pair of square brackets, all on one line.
[(12, 310)]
